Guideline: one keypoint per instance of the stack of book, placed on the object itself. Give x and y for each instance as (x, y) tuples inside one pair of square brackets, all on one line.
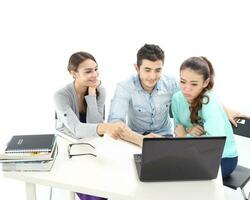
[(29, 153)]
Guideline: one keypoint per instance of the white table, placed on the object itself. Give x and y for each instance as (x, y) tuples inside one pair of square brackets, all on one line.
[(112, 174)]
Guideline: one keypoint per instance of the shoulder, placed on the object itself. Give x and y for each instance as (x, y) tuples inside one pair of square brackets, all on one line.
[(211, 103), (65, 92), (168, 83), (178, 97), (212, 98), (128, 84), (168, 79)]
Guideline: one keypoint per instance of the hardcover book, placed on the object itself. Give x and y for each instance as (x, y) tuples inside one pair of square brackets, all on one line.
[(30, 143)]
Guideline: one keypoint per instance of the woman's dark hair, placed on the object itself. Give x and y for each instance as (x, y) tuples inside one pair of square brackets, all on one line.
[(74, 61), (201, 65), (150, 52), (77, 58)]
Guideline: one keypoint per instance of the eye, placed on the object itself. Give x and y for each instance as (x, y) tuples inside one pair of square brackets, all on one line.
[(182, 82), (158, 70), (194, 84)]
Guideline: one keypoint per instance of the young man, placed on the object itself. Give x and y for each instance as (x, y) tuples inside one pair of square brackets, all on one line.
[(144, 99)]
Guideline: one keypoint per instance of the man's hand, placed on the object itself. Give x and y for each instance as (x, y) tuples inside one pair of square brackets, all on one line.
[(233, 115), (115, 130)]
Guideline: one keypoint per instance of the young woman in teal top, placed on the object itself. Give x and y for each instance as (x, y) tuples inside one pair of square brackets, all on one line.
[(197, 111)]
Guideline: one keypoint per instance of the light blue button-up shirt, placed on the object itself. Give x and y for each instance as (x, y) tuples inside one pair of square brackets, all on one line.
[(144, 112)]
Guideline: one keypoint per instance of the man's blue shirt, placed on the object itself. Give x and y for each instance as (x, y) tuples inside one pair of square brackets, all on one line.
[(144, 112)]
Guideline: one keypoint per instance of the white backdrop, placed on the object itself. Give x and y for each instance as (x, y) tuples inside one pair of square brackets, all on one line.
[(37, 38)]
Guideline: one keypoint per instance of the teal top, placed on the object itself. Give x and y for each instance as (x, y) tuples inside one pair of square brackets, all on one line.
[(213, 118)]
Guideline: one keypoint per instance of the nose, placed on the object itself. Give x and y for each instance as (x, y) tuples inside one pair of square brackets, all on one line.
[(186, 88), (95, 74), (152, 75)]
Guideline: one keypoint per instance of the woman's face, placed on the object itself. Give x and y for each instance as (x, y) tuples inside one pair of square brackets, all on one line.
[(191, 84), (87, 73)]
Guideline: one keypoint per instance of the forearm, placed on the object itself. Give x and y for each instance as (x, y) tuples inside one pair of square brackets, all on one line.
[(93, 114), (133, 137)]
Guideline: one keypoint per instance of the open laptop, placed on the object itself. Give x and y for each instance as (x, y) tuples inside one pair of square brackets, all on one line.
[(172, 159)]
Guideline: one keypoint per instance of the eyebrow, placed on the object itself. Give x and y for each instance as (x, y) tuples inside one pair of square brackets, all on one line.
[(190, 81), (159, 68), (87, 69)]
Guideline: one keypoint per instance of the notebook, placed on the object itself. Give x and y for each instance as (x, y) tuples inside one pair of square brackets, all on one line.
[(31, 165), (243, 127), (27, 156), (30, 143), (173, 159)]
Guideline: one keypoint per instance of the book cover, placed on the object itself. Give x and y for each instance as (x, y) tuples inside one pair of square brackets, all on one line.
[(30, 143)]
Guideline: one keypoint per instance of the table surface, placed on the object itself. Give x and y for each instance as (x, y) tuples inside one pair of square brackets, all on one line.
[(112, 174)]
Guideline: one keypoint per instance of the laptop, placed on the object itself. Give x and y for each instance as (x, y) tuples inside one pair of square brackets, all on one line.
[(179, 159)]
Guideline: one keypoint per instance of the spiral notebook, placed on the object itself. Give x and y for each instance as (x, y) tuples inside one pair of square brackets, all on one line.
[(31, 143)]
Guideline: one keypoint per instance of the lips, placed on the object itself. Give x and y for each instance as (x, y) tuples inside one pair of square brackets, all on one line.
[(92, 81), (151, 82), (187, 95)]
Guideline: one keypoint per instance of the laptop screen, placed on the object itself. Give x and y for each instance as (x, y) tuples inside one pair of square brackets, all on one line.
[(190, 158)]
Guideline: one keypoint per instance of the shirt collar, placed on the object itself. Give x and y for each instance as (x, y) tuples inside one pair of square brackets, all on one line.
[(139, 87)]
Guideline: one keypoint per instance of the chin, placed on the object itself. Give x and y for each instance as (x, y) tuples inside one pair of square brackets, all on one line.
[(151, 85)]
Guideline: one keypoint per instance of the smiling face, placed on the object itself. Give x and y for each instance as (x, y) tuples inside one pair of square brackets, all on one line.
[(86, 74), (191, 84), (149, 73)]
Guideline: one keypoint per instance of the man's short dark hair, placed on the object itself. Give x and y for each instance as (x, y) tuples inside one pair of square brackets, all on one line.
[(150, 52)]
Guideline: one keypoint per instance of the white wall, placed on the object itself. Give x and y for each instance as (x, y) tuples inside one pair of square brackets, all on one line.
[(37, 38)]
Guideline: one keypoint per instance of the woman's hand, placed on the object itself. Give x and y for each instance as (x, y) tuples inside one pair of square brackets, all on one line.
[(196, 130), (112, 129), (92, 89), (180, 130)]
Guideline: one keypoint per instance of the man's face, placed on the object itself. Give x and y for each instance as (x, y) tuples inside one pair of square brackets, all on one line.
[(149, 73)]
